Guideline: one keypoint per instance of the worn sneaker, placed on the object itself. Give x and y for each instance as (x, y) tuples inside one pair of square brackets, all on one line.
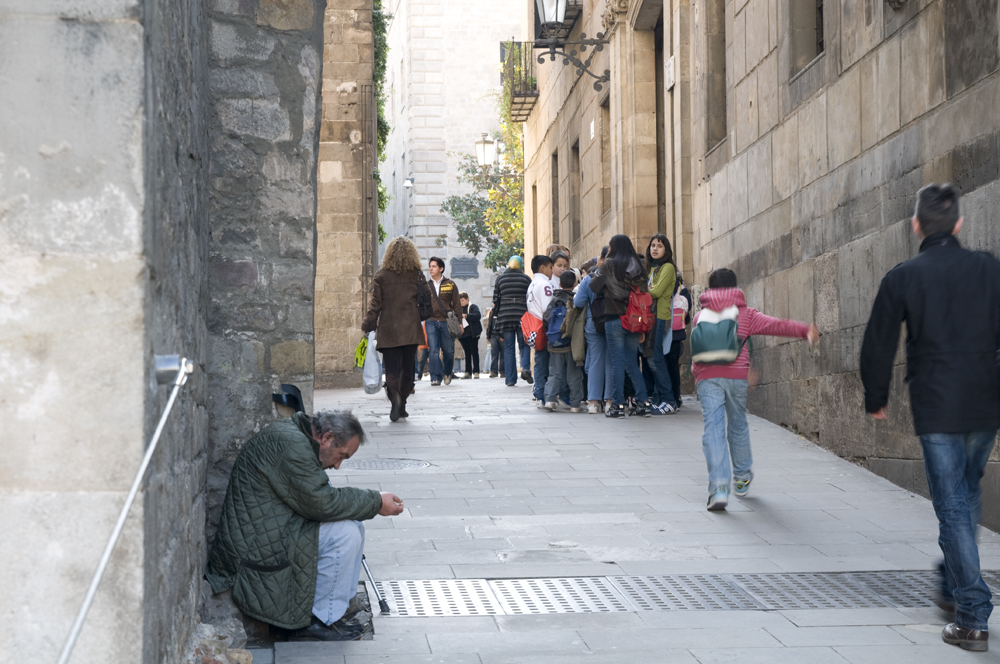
[(966, 639), (435, 383), (574, 409), (663, 409), (615, 410), (551, 405), (640, 409), (493, 374), (593, 408), (539, 403), (718, 500), (447, 379), (740, 487), (475, 376)]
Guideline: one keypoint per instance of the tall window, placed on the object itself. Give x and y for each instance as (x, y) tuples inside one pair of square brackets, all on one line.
[(575, 183), (606, 155), (806, 32), (555, 197), (716, 71)]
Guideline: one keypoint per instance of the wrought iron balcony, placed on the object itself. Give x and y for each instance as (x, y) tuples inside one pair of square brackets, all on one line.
[(519, 73), (573, 10)]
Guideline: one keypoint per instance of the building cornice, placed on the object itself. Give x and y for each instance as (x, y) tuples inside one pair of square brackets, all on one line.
[(613, 11)]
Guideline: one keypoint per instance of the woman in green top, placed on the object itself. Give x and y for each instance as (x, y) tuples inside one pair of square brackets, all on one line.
[(662, 278)]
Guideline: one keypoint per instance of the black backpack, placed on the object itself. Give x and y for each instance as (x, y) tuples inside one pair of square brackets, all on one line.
[(425, 308)]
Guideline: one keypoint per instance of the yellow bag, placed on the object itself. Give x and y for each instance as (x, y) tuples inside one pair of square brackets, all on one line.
[(359, 354)]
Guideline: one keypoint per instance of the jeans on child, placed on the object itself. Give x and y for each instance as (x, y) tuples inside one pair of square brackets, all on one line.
[(663, 389), (623, 347), (954, 463), (598, 367), (564, 375), (341, 545), (724, 410), (541, 374)]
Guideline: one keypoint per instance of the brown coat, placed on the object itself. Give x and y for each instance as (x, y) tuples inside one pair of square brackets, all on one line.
[(448, 300), (393, 309)]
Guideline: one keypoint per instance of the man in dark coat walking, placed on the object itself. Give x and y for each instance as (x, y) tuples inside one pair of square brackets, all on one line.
[(950, 300), (510, 303)]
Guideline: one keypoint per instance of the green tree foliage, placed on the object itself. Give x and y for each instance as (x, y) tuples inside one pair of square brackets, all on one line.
[(491, 219)]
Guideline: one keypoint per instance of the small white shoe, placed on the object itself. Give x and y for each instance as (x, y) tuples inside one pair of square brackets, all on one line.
[(593, 408), (551, 405)]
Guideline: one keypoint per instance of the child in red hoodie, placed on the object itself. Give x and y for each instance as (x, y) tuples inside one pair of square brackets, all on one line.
[(722, 389)]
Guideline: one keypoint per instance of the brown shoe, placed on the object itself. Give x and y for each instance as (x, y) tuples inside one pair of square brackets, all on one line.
[(966, 639)]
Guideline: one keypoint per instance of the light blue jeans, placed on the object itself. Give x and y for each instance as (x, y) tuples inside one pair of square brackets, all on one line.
[(341, 545), (724, 406), (954, 463), (598, 365)]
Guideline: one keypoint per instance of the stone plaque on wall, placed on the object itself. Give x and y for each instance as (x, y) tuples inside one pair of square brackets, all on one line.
[(464, 268)]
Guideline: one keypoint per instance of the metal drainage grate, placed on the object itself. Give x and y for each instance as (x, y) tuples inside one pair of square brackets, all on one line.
[(809, 591), (382, 464), (562, 595), (447, 597), (698, 592), (902, 589)]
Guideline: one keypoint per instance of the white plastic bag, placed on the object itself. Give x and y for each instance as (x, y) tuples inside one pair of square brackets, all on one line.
[(372, 375)]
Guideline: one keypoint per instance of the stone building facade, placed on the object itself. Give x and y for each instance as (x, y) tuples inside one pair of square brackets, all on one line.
[(785, 139), (443, 70), (157, 196)]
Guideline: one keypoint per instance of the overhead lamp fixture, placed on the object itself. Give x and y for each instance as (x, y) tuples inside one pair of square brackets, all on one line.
[(551, 14), (486, 151), (408, 183)]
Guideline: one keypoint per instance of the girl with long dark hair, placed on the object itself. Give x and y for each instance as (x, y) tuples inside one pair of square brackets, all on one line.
[(662, 279), (622, 271)]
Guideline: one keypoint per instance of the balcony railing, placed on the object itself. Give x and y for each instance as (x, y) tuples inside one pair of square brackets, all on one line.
[(519, 73), (573, 10)]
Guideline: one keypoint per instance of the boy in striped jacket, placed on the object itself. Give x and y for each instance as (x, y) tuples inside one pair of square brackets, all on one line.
[(722, 389)]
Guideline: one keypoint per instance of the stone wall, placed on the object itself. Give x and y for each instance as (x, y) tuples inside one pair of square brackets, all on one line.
[(345, 222), (263, 92), (809, 198), (101, 214)]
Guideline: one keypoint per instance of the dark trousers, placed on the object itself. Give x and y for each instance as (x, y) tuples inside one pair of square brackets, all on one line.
[(398, 365), (471, 347), (674, 367), (496, 355)]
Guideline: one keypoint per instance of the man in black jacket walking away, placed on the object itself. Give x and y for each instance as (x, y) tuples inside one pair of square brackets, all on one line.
[(510, 302), (950, 300)]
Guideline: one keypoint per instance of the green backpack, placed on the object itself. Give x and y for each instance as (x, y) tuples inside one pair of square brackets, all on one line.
[(714, 339)]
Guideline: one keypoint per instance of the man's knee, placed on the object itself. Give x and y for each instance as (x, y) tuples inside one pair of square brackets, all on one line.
[(343, 535)]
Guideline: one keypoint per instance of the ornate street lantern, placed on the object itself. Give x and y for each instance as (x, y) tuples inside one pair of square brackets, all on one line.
[(551, 14), (486, 150)]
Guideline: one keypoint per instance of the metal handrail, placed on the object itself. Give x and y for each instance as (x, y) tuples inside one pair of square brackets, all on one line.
[(165, 364)]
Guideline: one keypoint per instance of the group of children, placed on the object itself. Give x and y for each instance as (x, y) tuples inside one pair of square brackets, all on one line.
[(630, 310)]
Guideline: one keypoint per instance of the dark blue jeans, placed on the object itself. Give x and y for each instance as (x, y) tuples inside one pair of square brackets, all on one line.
[(623, 347), (511, 340), (663, 389), (954, 463), (541, 374), (439, 339)]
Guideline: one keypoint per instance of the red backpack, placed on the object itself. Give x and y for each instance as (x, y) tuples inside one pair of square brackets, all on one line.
[(638, 315)]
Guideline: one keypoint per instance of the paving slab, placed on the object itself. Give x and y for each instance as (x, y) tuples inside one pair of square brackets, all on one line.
[(517, 492)]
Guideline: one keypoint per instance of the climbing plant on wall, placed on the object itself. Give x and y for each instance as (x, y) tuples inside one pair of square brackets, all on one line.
[(380, 30)]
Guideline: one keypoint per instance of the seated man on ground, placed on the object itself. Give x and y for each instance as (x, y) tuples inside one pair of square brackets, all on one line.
[(289, 543)]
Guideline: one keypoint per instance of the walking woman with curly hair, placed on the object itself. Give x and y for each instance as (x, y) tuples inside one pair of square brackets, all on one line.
[(393, 313)]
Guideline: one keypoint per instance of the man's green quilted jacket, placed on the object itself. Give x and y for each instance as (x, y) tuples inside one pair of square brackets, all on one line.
[(268, 539)]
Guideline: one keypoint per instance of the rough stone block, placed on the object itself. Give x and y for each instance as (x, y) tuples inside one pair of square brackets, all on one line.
[(234, 274), (860, 29), (291, 358), (737, 191), (767, 93), (242, 82), (922, 49), (785, 158), (746, 112), (232, 42), (286, 14), (971, 42), (760, 183), (844, 113), (757, 33), (813, 152), (260, 118)]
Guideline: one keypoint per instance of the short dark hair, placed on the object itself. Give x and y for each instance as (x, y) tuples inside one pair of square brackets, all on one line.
[(567, 279), (556, 255), (937, 209), (439, 261), (722, 278), (538, 261), (463, 296), (341, 423), (588, 266)]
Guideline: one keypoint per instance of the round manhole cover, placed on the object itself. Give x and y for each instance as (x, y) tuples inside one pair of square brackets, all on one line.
[(382, 464)]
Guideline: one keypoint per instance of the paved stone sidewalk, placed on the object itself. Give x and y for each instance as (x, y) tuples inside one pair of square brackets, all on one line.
[(518, 492)]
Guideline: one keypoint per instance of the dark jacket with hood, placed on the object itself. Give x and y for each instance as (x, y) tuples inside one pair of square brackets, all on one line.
[(616, 292), (950, 300), (510, 299), (475, 320), (268, 539)]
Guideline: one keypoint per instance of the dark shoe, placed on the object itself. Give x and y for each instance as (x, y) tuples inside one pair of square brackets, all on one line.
[(640, 410), (435, 383), (317, 631), (616, 410), (526, 375), (966, 639), (394, 413), (467, 376)]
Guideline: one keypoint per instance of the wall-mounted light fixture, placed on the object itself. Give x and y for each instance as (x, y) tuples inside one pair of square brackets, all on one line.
[(408, 183), (551, 14)]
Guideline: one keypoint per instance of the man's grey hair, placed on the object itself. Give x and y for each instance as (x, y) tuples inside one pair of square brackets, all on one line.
[(341, 423)]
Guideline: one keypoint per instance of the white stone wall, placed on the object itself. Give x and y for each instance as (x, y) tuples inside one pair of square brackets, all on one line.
[(444, 63)]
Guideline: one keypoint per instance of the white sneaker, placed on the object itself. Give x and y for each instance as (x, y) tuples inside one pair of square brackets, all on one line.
[(551, 405), (539, 403), (447, 379), (593, 409), (574, 410)]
